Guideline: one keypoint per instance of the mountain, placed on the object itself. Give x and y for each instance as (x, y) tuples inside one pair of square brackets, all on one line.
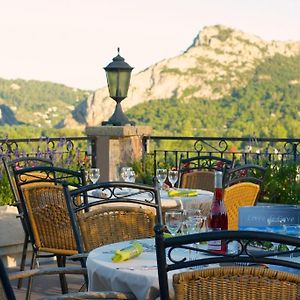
[(37, 103), (219, 61)]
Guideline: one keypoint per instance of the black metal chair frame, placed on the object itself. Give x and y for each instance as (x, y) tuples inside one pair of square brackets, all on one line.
[(204, 162), (109, 195), (244, 173), (57, 175), (166, 247), (9, 166)]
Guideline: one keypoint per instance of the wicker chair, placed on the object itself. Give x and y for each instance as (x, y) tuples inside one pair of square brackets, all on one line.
[(244, 275), (198, 172), (7, 293), (45, 213), (237, 195), (9, 166), (118, 211)]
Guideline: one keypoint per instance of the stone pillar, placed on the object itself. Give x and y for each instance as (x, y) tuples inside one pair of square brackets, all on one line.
[(117, 146)]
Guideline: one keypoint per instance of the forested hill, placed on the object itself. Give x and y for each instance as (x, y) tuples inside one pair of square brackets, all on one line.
[(37, 103), (268, 106)]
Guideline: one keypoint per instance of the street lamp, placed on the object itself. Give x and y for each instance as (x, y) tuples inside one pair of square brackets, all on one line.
[(118, 74)]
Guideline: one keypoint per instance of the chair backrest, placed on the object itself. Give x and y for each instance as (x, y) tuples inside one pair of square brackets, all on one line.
[(244, 173), (235, 276), (204, 163), (48, 218), (19, 163), (198, 180), (238, 195), (43, 203), (117, 211)]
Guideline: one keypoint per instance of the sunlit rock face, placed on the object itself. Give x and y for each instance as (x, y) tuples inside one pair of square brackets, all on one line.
[(219, 59)]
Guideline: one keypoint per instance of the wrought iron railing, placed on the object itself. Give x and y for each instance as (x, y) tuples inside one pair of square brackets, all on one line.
[(63, 151), (167, 150)]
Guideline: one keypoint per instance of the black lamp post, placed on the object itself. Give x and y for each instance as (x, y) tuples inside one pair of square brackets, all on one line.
[(118, 74)]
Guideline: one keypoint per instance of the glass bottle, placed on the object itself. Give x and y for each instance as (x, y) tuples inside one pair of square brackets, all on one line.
[(218, 215)]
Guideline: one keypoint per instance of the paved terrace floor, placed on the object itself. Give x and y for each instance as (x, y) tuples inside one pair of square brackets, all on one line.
[(47, 285)]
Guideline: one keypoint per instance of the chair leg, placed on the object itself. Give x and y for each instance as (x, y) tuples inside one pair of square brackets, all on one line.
[(23, 259), (32, 266), (61, 262)]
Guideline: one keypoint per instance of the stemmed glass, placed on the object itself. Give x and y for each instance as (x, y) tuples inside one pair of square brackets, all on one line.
[(192, 220), (292, 230), (174, 221), (173, 177), (131, 176), (125, 173), (94, 174), (276, 226), (161, 176)]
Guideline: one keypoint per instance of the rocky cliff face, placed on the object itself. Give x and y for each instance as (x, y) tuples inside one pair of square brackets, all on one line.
[(219, 59)]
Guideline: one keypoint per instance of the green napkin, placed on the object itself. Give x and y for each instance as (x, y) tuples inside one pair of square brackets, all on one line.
[(182, 193), (135, 249)]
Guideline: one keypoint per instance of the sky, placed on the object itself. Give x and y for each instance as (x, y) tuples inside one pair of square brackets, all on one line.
[(70, 41)]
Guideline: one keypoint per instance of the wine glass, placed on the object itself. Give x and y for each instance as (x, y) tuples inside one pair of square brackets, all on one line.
[(292, 230), (125, 173), (276, 225), (94, 174), (174, 221), (161, 176), (131, 176), (173, 177), (192, 220)]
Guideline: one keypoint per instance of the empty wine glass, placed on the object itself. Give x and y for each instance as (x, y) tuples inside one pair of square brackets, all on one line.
[(94, 174), (292, 230), (125, 173), (173, 177), (174, 221), (131, 176), (192, 220), (161, 176)]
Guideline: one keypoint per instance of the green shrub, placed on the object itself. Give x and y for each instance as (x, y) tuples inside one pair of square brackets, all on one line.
[(6, 196), (281, 185)]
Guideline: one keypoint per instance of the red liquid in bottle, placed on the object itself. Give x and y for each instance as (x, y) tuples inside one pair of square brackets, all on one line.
[(218, 216)]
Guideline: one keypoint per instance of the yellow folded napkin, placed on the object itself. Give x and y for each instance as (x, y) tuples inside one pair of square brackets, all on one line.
[(135, 249), (182, 193)]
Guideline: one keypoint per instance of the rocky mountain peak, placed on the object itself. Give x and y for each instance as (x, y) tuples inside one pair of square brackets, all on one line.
[(219, 59)]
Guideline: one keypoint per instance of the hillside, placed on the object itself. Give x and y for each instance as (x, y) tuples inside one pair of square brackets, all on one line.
[(219, 60), (268, 106), (37, 103)]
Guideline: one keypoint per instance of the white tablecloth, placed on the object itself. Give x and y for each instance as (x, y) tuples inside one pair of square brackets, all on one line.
[(201, 201), (138, 275)]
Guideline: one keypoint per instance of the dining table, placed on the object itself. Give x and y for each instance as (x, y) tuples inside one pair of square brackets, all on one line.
[(138, 275)]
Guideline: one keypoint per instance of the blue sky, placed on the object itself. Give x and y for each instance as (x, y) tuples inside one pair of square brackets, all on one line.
[(70, 41)]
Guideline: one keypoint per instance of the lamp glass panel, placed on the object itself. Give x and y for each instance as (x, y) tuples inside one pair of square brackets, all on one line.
[(124, 79), (111, 77)]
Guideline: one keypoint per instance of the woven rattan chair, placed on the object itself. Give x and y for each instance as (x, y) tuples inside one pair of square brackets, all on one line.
[(198, 180), (198, 172), (7, 293), (45, 213), (118, 211), (244, 275), (9, 166), (233, 283), (235, 196)]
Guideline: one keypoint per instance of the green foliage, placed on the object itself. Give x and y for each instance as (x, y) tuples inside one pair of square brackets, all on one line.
[(144, 174), (281, 185), (6, 196), (38, 102), (269, 106)]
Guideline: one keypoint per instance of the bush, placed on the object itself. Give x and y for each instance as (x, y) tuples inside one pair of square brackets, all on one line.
[(6, 196), (282, 184)]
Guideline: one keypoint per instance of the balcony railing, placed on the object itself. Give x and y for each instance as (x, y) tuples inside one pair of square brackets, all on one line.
[(167, 150), (63, 151)]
